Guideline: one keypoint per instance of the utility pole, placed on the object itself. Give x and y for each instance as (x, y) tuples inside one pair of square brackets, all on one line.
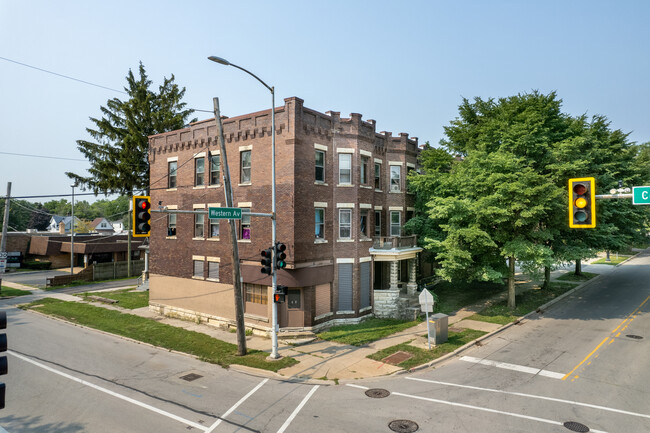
[(236, 276), (5, 223), (72, 234), (128, 239)]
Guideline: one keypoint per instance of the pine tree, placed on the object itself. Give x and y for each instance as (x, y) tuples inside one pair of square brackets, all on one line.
[(118, 156)]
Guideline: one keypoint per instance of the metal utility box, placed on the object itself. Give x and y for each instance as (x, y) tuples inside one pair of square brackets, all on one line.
[(440, 324)]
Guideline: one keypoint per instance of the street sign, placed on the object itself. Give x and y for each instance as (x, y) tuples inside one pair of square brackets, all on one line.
[(224, 213), (426, 301), (3, 254), (641, 195)]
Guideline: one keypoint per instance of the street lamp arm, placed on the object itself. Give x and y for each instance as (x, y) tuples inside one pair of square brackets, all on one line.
[(227, 63)]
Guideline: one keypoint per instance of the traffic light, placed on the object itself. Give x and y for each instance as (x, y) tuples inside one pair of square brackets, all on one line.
[(141, 216), (3, 359), (280, 294), (280, 255), (266, 261), (582, 203)]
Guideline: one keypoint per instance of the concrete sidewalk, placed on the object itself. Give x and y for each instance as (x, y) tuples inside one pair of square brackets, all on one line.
[(324, 360)]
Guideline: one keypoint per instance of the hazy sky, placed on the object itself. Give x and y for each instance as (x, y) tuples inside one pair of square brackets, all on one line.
[(406, 64)]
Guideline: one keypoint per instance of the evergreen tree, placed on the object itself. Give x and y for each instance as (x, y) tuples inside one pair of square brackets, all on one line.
[(119, 154)]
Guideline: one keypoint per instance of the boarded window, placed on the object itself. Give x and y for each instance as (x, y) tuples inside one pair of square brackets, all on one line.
[(213, 270), (364, 270), (323, 296), (345, 287)]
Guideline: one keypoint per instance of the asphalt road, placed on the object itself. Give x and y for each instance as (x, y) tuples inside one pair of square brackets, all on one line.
[(577, 362), (38, 279)]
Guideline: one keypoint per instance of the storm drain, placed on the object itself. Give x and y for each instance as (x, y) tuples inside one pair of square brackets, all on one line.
[(636, 337), (190, 377), (377, 393), (403, 426), (397, 358), (576, 426)]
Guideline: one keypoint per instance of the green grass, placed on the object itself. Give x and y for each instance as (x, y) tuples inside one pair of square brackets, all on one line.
[(8, 291), (452, 296), (366, 332), (614, 260), (525, 302), (85, 283), (158, 334), (422, 356), (127, 298), (570, 276)]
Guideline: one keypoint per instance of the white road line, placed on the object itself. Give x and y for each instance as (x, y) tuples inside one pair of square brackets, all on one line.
[(519, 394), (356, 386), (295, 412), (232, 409), (484, 409), (109, 392), (515, 367)]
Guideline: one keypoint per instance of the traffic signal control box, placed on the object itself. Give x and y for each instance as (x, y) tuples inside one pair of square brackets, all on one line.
[(582, 203), (141, 216)]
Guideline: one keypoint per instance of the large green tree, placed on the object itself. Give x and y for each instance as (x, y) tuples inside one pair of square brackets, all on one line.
[(118, 154)]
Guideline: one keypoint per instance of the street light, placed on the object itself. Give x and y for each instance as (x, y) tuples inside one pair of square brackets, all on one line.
[(274, 310)]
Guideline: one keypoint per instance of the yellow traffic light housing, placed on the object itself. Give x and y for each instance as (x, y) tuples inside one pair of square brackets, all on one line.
[(141, 216), (582, 203)]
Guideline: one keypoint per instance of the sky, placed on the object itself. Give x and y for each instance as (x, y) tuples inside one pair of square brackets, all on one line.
[(407, 64)]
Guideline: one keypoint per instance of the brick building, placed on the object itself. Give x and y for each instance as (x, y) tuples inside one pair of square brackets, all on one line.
[(341, 205)]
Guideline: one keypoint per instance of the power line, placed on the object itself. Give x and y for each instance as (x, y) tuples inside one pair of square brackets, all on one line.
[(43, 156)]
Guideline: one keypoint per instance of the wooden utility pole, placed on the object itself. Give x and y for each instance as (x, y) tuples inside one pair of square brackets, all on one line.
[(236, 274), (5, 224)]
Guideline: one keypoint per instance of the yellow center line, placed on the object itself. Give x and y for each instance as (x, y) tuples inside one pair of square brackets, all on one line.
[(630, 317)]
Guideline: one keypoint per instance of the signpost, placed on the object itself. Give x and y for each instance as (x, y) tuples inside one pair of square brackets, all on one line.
[(224, 213), (426, 305), (641, 195)]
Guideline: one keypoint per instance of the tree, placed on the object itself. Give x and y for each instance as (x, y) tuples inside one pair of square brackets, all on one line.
[(118, 156), (40, 218)]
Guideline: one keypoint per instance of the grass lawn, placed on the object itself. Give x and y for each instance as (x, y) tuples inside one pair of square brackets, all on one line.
[(526, 302), (454, 296), (613, 260), (158, 334), (84, 283), (422, 356), (127, 298), (8, 291), (570, 276), (366, 332)]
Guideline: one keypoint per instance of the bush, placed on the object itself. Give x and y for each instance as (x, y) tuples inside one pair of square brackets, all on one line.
[(33, 264)]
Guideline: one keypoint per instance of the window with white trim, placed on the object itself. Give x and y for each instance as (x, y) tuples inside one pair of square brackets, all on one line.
[(214, 229), (395, 178), (319, 222), (377, 175), (378, 223), (171, 174), (245, 175), (215, 169), (199, 171), (363, 170), (245, 224), (171, 224), (320, 166), (395, 223), (198, 268), (345, 168), (213, 270), (363, 223), (198, 225), (345, 223)]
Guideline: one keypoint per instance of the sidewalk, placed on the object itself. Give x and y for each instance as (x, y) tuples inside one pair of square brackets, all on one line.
[(324, 360)]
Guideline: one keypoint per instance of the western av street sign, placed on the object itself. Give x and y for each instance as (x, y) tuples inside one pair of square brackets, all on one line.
[(221, 213), (641, 195)]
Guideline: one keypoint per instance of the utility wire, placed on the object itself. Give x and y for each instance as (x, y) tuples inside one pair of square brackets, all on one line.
[(43, 156)]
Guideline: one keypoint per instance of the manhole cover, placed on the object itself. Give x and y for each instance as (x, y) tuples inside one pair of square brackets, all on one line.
[(397, 358), (190, 377), (403, 426), (636, 337), (576, 426), (377, 393)]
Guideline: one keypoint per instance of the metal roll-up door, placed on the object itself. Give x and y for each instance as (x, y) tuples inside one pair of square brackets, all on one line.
[(345, 286), (364, 268)]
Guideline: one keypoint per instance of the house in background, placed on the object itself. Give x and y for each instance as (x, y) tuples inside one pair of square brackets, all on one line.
[(118, 226), (55, 224), (102, 226), (342, 201)]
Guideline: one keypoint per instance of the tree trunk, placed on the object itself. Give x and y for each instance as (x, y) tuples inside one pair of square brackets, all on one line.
[(511, 283), (547, 277), (578, 268)]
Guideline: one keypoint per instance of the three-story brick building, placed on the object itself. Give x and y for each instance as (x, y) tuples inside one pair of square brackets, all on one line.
[(341, 205)]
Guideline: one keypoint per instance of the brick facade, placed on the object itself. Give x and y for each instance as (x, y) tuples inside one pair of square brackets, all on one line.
[(313, 264)]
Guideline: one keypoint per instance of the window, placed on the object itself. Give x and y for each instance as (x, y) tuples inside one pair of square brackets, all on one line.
[(395, 223), (409, 172), (395, 181), (171, 174), (363, 223), (377, 223), (377, 175), (171, 224), (213, 270), (319, 220), (320, 166), (256, 294), (198, 268), (245, 176), (198, 225), (364, 170), (214, 229), (345, 168), (345, 223), (199, 171), (215, 169), (245, 224)]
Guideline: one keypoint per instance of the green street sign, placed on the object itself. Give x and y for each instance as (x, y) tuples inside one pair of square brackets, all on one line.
[(224, 213), (641, 195)]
